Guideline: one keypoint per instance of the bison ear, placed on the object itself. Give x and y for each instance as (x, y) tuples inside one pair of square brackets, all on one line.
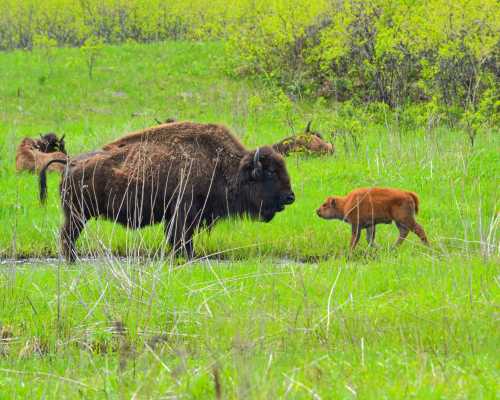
[(257, 172)]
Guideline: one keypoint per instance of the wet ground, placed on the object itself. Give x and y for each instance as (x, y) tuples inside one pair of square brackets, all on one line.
[(145, 260)]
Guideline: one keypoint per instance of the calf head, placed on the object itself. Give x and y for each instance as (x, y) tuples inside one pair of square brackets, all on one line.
[(330, 210), (265, 183)]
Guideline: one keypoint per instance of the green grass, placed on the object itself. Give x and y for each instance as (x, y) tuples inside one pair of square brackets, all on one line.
[(414, 322), (400, 327)]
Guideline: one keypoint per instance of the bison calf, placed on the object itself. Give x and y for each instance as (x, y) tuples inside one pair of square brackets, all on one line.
[(367, 207)]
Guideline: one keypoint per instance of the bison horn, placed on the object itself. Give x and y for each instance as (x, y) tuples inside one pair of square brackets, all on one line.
[(62, 138), (308, 127), (256, 157), (257, 166)]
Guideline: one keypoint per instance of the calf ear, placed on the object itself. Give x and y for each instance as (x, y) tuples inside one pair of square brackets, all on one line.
[(256, 166), (332, 202)]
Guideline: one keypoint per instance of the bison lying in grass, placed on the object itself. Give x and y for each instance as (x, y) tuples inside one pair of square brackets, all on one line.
[(308, 141), (33, 154), (182, 174), (367, 207)]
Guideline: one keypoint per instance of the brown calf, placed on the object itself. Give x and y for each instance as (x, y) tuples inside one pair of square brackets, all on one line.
[(33, 154), (364, 208)]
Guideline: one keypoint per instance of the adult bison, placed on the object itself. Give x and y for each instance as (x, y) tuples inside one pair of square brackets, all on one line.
[(308, 141), (33, 154), (182, 174)]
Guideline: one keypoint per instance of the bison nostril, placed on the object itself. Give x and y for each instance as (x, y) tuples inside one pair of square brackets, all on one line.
[(290, 198)]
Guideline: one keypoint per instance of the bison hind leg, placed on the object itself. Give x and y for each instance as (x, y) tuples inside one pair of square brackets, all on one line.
[(403, 233), (419, 231), (410, 225), (70, 231)]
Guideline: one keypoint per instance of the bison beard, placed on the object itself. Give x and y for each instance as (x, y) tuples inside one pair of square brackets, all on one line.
[(182, 174)]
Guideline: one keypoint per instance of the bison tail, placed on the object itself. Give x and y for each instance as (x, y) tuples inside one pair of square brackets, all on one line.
[(43, 179), (415, 200)]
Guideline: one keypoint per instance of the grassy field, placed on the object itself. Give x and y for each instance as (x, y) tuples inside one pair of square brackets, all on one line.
[(286, 313)]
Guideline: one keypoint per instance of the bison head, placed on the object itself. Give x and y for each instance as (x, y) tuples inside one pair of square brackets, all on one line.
[(314, 141), (264, 183), (330, 210), (49, 143)]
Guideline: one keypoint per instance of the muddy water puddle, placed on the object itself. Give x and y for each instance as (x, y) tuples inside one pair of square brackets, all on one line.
[(55, 261)]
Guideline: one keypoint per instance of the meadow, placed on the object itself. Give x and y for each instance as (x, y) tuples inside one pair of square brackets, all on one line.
[(279, 310)]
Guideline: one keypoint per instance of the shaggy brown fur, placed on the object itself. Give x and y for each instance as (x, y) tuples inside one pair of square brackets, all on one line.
[(183, 174), (307, 141), (33, 154), (367, 207)]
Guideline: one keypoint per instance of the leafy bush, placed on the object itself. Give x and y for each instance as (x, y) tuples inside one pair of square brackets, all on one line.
[(70, 22), (439, 52), (394, 52)]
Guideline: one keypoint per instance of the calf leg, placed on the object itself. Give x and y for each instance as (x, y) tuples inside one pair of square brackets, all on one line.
[(403, 233), (370, 235), (419, 231), (409, 224), (356, 233)]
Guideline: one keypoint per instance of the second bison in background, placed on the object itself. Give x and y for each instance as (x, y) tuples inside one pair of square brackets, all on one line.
[(307, 142), (33, 154), (364, 208), (183, 174)]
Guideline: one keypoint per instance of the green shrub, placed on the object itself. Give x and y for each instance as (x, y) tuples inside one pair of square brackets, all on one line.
[(396, 52), (439, 52)]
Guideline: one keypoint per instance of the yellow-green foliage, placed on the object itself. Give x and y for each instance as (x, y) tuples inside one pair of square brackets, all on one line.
[(383, 50), (71, 22), (394, 51)]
